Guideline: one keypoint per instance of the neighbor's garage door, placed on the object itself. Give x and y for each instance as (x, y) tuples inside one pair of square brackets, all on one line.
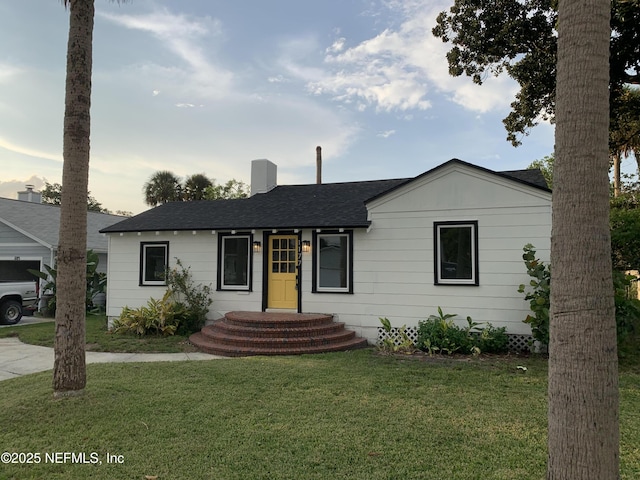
[(17, 270)]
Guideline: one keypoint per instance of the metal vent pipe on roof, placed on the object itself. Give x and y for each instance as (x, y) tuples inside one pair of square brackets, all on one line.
[(318, 165)]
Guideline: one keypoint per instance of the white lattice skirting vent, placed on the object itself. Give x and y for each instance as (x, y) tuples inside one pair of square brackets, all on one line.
[(517, 343)]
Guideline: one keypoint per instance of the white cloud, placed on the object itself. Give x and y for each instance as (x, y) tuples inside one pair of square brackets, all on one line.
[(294, 56), (185, 36), (493, 93), (399, 68), (386, 134), (10, 188), (277, 79), (8, 71), (337, 46), (12, 147)]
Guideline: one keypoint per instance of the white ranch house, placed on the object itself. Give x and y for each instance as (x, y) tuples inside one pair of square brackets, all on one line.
[(450, 237)]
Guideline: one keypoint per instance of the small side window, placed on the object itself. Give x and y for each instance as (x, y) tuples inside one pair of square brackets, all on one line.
[(333, 262), (154, 259), (456, 253), (234, 262)]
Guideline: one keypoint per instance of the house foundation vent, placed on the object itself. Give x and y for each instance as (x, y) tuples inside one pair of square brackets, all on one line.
[(411, 332), (520, 343)]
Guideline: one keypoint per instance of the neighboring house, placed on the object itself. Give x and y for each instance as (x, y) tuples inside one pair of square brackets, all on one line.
[(29, 235), (451, 237)]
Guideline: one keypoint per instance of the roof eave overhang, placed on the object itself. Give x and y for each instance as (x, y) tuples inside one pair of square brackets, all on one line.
[(242, 228)]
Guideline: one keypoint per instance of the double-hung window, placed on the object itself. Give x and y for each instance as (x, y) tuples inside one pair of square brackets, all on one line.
[(456, 253), (234, 265), (154, 260), (333, 262)]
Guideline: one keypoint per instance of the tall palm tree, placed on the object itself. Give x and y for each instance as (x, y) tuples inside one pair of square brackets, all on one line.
[(195, 186), (162, 187), (583, 433), (69, 371)]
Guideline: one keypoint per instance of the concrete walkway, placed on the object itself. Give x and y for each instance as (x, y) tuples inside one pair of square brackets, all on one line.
[(17, 358)]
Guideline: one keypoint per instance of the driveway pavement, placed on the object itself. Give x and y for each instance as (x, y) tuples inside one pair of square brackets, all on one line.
[(30, 320), (17, 358)]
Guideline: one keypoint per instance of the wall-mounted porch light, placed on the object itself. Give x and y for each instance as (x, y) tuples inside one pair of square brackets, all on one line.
[(257, 246), (306, 246)]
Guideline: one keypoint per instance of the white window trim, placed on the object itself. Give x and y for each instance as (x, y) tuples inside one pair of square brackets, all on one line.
[(474, 251), (224, 286), (320, 288), (143, 280)]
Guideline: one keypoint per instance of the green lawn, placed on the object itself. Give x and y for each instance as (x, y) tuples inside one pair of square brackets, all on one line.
[(352, 415), (99, 339)]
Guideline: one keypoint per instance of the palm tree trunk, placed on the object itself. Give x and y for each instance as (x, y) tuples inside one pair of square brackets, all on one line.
[(583, 365), (616, 174), (69, 374)]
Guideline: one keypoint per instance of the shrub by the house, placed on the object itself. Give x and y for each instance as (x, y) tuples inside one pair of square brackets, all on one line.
[(439, 334), (182, 310), (538, 295), (195, 298), (158, 317), (627, 307)]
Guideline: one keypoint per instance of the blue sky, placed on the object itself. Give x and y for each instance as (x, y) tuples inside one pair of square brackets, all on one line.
[(206, 86)]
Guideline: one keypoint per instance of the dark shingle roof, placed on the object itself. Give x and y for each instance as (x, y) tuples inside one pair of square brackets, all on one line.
[(328, 205), (532, 176)]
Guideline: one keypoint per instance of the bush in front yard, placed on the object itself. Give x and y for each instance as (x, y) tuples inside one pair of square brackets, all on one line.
[(438, 334), (538, 292), (196, 299), (182, 310), (441, 335), (158, 317), (493, 340)]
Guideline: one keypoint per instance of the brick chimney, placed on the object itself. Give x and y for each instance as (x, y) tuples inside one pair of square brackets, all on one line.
[(318, 165)]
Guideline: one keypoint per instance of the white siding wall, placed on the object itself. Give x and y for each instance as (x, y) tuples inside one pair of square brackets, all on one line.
[(197, 251), (393, 261)]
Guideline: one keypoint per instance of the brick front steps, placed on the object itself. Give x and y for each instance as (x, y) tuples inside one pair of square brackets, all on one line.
[(240, 334)]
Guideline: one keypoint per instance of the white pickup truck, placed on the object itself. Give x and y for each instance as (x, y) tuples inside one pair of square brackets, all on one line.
[(15, 299)]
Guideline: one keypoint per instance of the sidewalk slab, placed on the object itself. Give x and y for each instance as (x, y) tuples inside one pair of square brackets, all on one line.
[(17, 358)]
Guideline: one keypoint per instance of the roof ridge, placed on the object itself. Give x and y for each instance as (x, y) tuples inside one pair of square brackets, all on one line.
[(346, 183), (25, 202)]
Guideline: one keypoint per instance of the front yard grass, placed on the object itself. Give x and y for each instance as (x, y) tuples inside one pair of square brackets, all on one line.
[(352, 415), (99, 339)]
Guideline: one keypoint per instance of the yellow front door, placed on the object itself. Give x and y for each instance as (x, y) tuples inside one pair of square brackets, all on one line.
[(283, 272)]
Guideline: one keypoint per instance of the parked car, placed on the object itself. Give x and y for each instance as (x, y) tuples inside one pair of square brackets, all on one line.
[(17, 298)]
